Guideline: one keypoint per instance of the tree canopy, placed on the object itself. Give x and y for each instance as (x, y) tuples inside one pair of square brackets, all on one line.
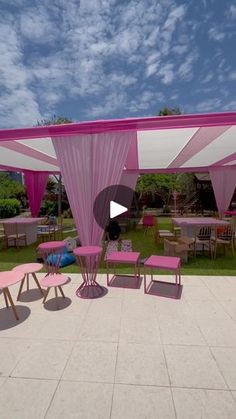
[(11, 188)]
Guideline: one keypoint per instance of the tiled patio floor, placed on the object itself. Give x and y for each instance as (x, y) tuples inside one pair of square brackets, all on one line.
[(126, 355)]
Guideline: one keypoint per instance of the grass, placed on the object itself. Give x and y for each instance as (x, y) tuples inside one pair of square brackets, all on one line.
[(202, 265)]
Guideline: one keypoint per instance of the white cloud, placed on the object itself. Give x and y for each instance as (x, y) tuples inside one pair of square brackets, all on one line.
[(186, 68), (209, 105), (18, 105), (232, 11), (232, 75), (167, 73), (37, 26), (216, 35)]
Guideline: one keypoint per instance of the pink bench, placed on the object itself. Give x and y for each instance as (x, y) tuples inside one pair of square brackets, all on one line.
[(162, 262)]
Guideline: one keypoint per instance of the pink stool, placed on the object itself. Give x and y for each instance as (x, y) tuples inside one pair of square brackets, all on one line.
[(162, 262), (8, 278), (123, 257), (88, 257), (27, 269), (53, 279)]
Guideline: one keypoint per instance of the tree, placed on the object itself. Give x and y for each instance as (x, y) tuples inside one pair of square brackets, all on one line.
[(55, 120), (161, 185), (169, 111), (11, 188)]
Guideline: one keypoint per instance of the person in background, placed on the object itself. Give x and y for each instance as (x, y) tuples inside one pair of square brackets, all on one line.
[(113, 230)]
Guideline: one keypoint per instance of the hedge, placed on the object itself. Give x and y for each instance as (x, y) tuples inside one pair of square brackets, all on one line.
[(9, 207)]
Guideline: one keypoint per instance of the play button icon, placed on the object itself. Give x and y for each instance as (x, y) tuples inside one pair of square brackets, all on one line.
[(116, 209), (114, 202)]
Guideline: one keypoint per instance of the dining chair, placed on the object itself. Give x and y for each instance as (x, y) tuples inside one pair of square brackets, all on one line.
[(224, 236), (148, 223), (203, 237), (12, 235)]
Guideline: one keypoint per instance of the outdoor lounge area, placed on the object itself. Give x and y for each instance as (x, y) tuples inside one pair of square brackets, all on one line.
[(144, 330)]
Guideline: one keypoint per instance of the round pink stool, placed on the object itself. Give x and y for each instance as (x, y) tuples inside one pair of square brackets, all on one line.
[(54, 249), (54, 281), (88, 257), (8, 278), (27, 269)]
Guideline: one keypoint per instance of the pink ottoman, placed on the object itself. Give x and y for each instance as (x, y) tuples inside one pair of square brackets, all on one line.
[(162, 262), (123, 257)]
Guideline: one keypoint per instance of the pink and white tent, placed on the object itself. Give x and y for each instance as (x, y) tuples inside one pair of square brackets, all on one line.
[(93, 155)]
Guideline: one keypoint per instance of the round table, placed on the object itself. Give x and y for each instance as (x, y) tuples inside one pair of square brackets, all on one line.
[(88, 257), (8, 278), (27, 269), (55, 250)]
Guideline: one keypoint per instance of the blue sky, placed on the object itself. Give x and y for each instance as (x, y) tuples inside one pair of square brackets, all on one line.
[(102, 59)]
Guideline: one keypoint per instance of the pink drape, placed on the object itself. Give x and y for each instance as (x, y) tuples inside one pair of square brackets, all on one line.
[(35, 183), (223, 182), (90, 163)]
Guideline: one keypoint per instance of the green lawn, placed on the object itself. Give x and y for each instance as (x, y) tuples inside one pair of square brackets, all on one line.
[(202, 265)]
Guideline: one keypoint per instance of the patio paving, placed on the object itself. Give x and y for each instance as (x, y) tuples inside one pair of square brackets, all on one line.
[(126, 355)]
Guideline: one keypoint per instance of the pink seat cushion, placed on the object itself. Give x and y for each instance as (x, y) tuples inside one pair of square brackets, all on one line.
[(124, 257), (28, 268), (163, 262), (54, 280)]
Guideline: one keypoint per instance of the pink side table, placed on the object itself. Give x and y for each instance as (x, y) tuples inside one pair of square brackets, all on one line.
[(123, 257), (162, 262), (88, 257), (27, 269), (7, 279), (54, 249)]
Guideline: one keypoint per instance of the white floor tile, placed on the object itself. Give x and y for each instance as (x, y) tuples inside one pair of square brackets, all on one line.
[(204, 404), (81, 401), (45, 359), (92, 362), (141, 364), (139, 402), (226, 361), (140, 330), (11, 352), (24, 398), (193, 366)]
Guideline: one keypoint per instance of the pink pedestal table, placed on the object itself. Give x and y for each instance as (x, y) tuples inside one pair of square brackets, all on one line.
[(7, 279), (123, 257), (162, 262), (28, 269), (25, 225), (88, 257)]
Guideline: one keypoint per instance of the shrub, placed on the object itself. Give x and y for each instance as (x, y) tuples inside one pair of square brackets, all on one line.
[(9, 208)]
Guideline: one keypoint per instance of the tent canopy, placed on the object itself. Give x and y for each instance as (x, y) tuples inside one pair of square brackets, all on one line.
[(166, 144)]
